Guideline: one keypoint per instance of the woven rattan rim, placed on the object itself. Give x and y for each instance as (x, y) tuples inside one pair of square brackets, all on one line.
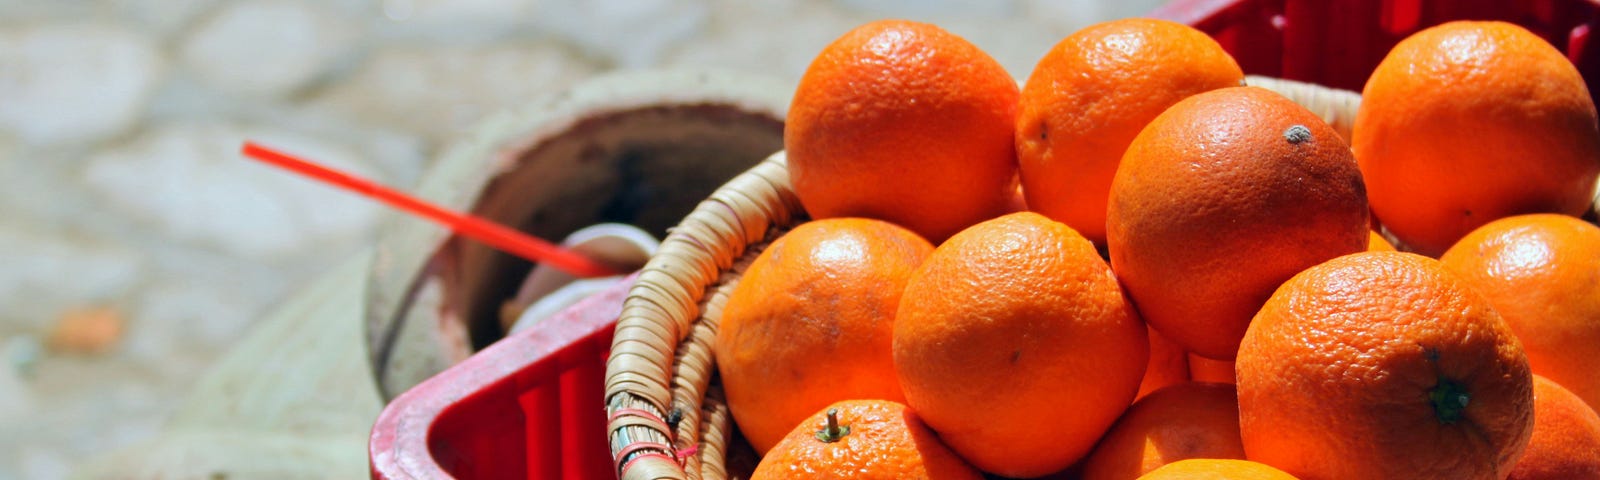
[(664, 423)]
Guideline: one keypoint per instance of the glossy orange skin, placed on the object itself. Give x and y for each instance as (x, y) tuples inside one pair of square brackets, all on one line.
[(1213, 469), (886, 441), (811, 323), (1566, 437), (1169, 364), (1220, 199), (1467, 122), (1338, 371), (905, 122), (1183, 421), (1091, 95), (1542, 273), (1016, 344)]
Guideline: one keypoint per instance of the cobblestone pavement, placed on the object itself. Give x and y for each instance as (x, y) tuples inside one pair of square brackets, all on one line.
[(122, 199)]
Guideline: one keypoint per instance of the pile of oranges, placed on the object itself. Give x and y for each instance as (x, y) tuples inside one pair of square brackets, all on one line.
[(1133, 266)]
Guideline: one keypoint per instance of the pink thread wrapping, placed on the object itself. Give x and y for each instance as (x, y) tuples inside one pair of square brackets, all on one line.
[(662, 448), (628, 450), (618, 413), (623, 472), (678, 456), (687, 452)]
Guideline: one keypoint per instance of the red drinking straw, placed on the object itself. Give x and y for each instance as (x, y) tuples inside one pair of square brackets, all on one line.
[(493, 234)]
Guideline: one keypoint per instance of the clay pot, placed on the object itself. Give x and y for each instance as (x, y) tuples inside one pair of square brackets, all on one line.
[(639, 148)]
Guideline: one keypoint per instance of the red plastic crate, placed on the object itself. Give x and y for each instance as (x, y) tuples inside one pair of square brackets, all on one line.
[(530, 406), (1339, 43)]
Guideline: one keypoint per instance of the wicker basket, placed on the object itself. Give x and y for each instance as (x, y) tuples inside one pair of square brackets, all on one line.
[(667, 418)]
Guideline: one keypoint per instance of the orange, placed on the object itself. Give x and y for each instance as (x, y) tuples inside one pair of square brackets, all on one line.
[(1015, 343), (905, 122), (1091, 94), (1566, 437), (1202, 369), (1168, 364), (1183, 421), (1018, 201), (1221, 198), (863, 439), (1376, 243), (811, 323), (1214, 469), (1467, 122), (1542, 273), (1383, 365)]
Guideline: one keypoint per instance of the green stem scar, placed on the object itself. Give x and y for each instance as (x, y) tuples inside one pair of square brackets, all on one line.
[(1449, 399), (833, 432)]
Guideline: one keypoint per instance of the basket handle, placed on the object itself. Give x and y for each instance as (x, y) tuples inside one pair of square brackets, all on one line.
[(663, 305)]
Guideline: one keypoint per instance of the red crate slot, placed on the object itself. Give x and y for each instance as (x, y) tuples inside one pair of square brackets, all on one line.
[(528, 406)]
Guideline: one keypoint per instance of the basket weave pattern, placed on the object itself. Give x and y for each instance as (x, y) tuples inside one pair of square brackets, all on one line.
[(666, 419), (663, 421)]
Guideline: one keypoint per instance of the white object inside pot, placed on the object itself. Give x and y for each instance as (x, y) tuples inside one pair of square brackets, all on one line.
[(548, 290)]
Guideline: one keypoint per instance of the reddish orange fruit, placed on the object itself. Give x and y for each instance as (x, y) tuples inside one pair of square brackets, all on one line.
[(863, 439), (905, 122), (1220, 199), (1015, 343), (1183, 421), (1091, 94), (1566, 437), (1168, 365), (1542, 273), (1376, 243), (1214, 469), (1467, 122), (811, 323), (1202, 369), (1383, 365)]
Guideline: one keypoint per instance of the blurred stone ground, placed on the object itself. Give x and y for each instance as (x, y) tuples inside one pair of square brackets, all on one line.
[(127, 217)]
